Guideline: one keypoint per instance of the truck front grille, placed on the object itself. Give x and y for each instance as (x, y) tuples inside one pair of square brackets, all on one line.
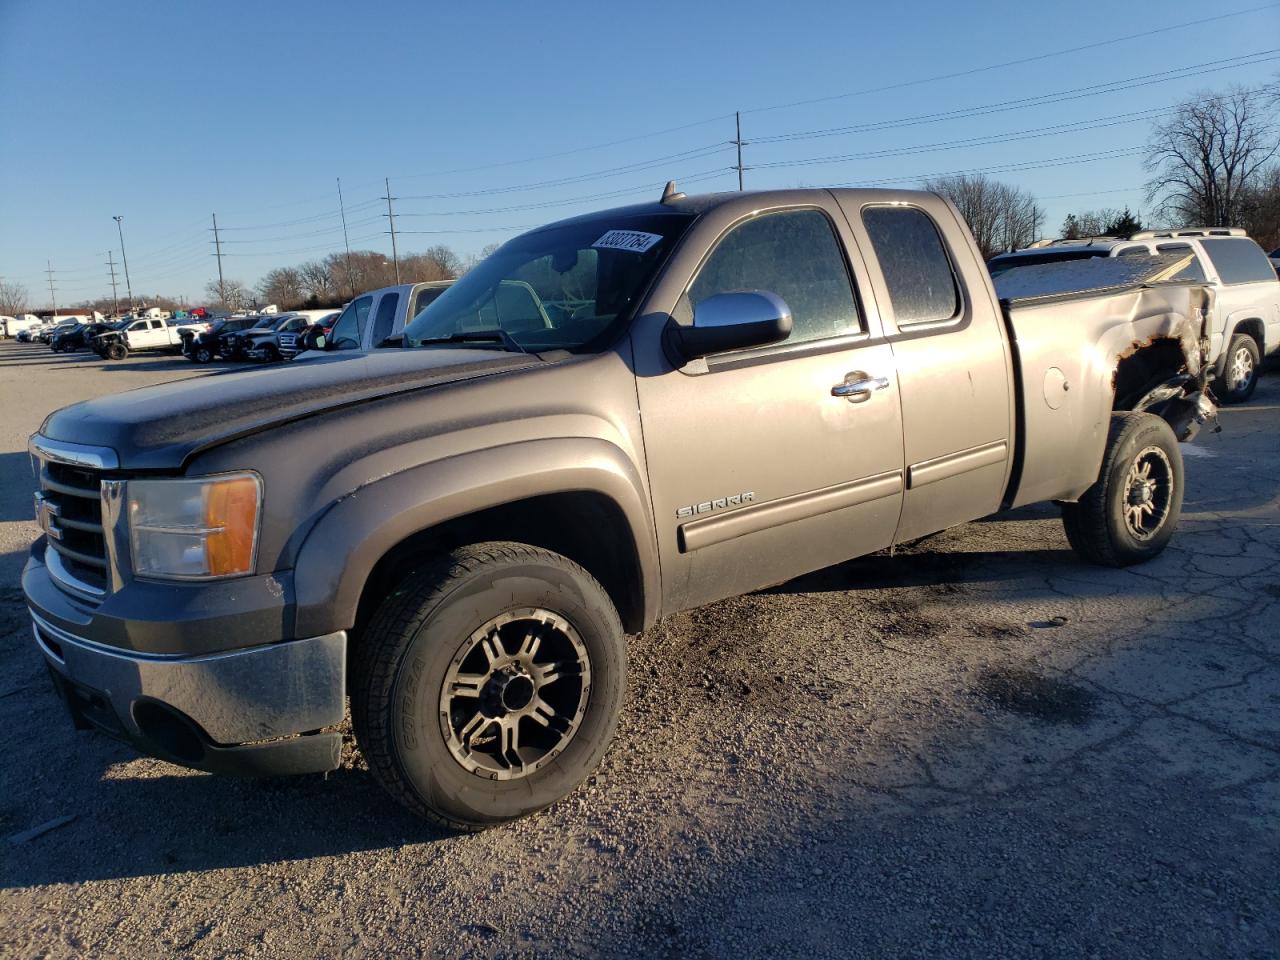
[(70, 512), (288, 344)]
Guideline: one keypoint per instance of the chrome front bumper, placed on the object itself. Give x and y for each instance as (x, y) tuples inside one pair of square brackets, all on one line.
[(234, 712)]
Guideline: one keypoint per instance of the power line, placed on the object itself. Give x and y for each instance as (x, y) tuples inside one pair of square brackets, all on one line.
[(1034, 133), (1015, 167), (1075, 93), (1014, 63), (636, 167), (698, 177)]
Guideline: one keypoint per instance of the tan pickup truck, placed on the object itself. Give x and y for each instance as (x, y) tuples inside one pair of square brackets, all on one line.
[(612, 418)]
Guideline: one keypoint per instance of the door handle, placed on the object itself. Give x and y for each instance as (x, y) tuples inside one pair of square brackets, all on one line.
[(858, 387)]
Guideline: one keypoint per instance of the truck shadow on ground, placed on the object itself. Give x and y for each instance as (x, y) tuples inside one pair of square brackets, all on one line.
[(209, 822), (15, 494)]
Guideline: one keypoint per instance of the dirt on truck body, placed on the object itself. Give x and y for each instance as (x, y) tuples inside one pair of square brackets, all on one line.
[(611, 419)]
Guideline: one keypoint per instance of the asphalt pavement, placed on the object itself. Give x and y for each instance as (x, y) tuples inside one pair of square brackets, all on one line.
[(975, 747)]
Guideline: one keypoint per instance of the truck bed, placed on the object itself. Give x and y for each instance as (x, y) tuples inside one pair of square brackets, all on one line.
[(1068, 345)]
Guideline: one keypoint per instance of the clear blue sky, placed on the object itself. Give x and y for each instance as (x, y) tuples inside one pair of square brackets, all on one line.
[(168, 112)]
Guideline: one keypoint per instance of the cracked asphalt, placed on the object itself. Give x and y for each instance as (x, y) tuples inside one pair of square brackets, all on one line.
[(974, 747)]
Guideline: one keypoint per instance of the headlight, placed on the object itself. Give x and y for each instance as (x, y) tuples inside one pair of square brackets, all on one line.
[(198, 529)]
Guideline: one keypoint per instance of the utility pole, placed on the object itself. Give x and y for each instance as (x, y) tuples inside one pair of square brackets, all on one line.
[(125, 257), (115, 301), (53, 299), (737, 120), (217, 246), (342, 209), (395, 255)]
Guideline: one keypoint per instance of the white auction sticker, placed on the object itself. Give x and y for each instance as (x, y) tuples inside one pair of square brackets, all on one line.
[(633, 240)]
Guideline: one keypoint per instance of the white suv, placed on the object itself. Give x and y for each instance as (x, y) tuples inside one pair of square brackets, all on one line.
[(1245, 325)]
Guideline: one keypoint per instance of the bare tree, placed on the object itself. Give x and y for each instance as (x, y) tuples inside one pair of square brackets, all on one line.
[(1107, 222), (1261, 215), (317, 279), (228, 294), (1001, 217), (1207, 157), (471, 260), (13, 298), (283, 286)]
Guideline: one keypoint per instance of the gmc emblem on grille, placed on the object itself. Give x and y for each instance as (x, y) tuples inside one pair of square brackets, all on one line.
[(47, 513)]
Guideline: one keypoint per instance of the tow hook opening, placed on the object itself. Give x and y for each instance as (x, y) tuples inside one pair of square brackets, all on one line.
[(172, 731)]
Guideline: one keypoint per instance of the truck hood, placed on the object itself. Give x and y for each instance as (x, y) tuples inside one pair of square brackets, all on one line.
[(161, 427)]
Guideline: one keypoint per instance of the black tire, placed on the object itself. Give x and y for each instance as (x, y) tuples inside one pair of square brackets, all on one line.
[(421, 635), (1099, 526), (1240, 367), (270, 354), (201, 354), (116, 351)]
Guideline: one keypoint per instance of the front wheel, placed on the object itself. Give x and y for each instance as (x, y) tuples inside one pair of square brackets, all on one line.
[(202, 354), (1129, 514), (116, 351), (488, 685), (1240, 371)]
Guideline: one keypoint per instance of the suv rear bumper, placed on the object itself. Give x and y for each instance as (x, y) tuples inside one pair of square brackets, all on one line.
[(238, 712)]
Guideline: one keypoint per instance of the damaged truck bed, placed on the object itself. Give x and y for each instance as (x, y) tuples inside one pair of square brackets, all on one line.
[(1144, 349)]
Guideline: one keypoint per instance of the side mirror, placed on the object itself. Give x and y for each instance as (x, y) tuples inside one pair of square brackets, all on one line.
[(733, 321), (313, 338)]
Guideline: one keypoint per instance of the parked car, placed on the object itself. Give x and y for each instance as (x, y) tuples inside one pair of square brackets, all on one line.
[(289, 342), (12, 326), (201, 346), (707, 395), (62, 325), (263, 341), (1245, 322), (80, 336)]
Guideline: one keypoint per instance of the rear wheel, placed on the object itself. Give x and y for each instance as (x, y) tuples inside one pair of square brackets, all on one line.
[(488, 685), (1240, 371), (1129, 514)]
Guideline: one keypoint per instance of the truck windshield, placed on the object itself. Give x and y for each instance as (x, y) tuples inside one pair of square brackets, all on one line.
[(562, 288)]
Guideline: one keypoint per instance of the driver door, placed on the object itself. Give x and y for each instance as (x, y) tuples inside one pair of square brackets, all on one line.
[(758, 471)]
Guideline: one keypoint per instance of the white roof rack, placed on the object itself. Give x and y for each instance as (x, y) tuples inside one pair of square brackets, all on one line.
[(1189, 232), (1083, 241)]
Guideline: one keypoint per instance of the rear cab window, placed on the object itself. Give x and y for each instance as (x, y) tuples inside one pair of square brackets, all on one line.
[(1238, 260), (917, 269)]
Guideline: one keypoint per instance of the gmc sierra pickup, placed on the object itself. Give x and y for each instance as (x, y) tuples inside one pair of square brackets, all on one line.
[(705, 396)]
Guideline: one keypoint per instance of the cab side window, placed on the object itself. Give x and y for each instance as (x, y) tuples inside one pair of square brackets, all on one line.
[(1192, 271), (916, 268), (794, 254), (349, 330), (385, 318)]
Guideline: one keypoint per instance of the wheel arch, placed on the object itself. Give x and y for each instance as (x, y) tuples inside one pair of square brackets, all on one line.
[(580, 497), (1251, 325)]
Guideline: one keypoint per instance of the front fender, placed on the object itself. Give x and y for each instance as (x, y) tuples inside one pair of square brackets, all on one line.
[(340, 551)]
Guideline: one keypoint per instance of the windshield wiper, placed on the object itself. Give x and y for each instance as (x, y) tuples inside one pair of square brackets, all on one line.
[(477, 336)]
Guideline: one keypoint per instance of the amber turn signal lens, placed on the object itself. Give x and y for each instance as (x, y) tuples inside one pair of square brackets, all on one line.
[(231, 515)]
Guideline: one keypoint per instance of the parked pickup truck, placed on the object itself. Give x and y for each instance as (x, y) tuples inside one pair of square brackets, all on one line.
[(710, 395), (372, 317), (263, 342), (143, 334), (1245, 325)]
